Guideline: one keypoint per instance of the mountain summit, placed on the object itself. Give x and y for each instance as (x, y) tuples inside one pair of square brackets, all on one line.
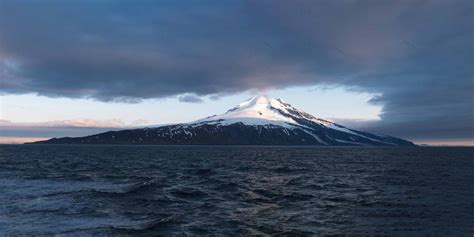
[(260, 120), (258, 110)]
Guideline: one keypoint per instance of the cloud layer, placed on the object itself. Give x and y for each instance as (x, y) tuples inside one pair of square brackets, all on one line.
[(417, 55)]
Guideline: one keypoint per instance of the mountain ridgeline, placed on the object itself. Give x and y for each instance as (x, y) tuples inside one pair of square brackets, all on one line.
[(258, 121)]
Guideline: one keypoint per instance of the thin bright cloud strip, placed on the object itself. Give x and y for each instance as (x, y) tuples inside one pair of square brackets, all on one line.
[(87, 123), (21, 140)]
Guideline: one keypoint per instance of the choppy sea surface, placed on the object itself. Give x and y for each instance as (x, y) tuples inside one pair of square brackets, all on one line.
[(216, 190)]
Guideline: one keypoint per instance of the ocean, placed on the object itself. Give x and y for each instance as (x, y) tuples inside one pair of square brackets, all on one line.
[(235, 190)]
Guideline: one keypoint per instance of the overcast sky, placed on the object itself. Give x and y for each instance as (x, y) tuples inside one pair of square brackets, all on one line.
[(404, 68)]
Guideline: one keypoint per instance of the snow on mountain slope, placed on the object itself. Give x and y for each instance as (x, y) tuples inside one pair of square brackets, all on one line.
[(264, 110), (259, 110)]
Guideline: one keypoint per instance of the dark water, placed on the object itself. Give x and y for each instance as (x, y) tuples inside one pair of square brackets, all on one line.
[(168, 190)]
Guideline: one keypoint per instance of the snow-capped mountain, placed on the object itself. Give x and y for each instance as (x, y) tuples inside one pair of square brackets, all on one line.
[(260, 120)]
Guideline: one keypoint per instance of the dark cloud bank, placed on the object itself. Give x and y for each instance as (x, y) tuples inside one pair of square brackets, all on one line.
[(417, 55)]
